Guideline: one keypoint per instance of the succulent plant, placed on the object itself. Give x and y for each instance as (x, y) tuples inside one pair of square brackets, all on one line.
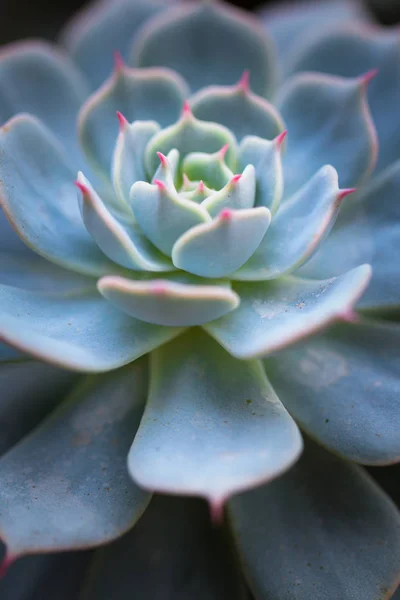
[(208, 269)]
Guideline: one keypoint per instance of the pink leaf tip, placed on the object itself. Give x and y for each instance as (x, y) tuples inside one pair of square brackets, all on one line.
[(217, 510), (225, 214), (345, 192), (244, 82), (201, 187), (236, 178), (186, 110), (163, 159), (280, 138), (348, 316), (5, 564), (123, 122), (223, 151), (366, 78), (160, 185), (82, 187), (186, 181), (118, 61)]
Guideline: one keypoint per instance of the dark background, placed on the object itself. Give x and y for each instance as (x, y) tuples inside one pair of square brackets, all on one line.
[(43, 18)]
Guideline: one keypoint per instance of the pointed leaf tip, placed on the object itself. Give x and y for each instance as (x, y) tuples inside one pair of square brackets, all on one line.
[(163, 159), (280, 138), (123, 121), (225, 214), (348, 316), (81, 187), (346, 192), (244, 82), (186, 110), (236, 178), (223, 151), (368, 76), (118, 61), (160, 185), (216, 506), (201, 187), (6, 563)]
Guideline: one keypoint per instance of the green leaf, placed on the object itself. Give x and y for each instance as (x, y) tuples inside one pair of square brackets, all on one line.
[(324, 530), (65, 485), (212, 425), (343, 388), (274, 314)]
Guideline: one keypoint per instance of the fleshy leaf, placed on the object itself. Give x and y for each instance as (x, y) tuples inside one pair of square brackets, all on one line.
[(77, 331), (125, 245), (168, 169), (238, 109), (209, 44), (205, 433), (343, 388), (368, 228), (98, 30), (329, 123), (299, 227), (65, 486), (169, 302), (265, 156), (324, 530), (275, 314), (36, 78), (140, 95), (173, 552), (369, 48), (128, 167), (219, 248), (163, 214), (38, 196), (32, 390), (290, 25), (239, 193), (208, 168), (188, 135)]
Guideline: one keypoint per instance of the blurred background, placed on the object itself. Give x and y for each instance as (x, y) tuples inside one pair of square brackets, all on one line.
[(42, 18)]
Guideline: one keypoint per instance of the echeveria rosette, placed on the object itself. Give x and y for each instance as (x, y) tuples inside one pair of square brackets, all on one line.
[(197, 236)]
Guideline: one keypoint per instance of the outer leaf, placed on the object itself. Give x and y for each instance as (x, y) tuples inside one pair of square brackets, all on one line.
[(297, 230), (369, 48), (30, 390), (275, 314), (219, 248), (329, 123), (324, 530), (140, 95), (123, 243), (78, 331), (65, 486), (102, 28), (212, 425), (236, 107), (290, 25), (234, 42), (173, 552), (163, 214), (166, 302), (368, 228), (343, 387), (38, 197), (35, 77)]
